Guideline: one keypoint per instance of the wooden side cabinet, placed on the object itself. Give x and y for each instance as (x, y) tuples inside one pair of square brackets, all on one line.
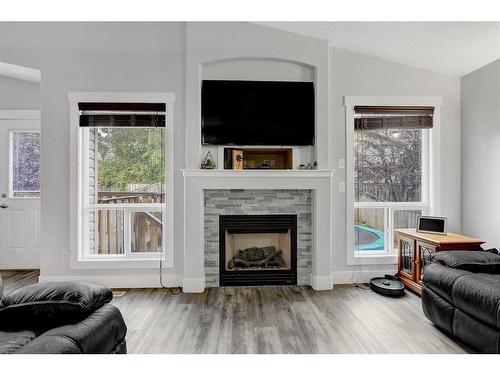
[(415, 250)]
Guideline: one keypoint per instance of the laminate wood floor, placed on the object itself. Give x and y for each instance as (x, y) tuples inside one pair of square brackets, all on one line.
[(15, 279), (275, 319)]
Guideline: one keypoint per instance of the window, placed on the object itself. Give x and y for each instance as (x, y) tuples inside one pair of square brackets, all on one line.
[(24, 164), (391, 173), (123, 168)]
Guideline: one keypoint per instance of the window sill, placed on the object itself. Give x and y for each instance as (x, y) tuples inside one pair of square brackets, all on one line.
[(391, 258), (149, 263)]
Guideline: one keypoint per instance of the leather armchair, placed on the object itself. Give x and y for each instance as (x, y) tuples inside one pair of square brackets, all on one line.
[(57, 318), (461, 295)]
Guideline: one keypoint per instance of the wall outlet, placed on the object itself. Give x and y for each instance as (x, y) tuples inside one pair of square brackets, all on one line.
[(65, 257), (341, 187), (341, 163)]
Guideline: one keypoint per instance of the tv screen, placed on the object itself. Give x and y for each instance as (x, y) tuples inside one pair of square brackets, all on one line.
[(261, 113)]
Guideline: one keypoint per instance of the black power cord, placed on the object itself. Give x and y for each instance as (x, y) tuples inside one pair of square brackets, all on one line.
[(176, 290), (173, 290), (357, 265)]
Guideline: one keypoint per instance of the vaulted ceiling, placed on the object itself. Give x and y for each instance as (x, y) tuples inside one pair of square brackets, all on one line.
[(453, 48)]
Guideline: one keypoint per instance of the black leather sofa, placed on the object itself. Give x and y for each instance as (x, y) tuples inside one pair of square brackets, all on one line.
[(461, 295), (61, 318)]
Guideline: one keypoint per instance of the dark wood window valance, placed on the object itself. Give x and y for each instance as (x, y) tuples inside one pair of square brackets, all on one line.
[(372, 118), (122, 114)]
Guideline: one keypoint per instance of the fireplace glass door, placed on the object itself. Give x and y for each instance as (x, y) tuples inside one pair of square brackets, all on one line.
[(258, 249)]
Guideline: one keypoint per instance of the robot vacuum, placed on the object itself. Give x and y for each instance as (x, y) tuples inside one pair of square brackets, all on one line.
[(387, 286)]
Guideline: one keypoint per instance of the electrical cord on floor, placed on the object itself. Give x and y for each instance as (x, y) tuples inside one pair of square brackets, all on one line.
[(360, 155), (362, 286), (173, 290)]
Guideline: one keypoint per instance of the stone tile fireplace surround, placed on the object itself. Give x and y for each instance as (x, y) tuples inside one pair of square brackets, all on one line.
[(258, 202), (208, 194)]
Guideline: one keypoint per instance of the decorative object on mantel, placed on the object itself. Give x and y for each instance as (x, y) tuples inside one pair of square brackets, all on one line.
[(237, 159), (309, 166), (208, 162)]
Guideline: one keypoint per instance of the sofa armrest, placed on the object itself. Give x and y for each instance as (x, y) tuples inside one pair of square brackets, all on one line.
[(45, 305), (101, 332), (472, 261)]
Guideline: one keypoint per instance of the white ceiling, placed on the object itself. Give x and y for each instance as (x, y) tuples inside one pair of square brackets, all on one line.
[(453, 48)]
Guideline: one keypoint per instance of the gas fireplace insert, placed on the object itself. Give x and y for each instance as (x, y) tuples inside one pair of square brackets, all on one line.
[(258, 250)]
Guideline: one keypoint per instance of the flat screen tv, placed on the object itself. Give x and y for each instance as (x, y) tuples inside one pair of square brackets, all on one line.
[(261, 113)]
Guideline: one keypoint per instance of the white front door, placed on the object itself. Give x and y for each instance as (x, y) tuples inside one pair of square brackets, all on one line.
[(19, 191)]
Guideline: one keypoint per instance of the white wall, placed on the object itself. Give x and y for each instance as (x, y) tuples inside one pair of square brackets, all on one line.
[(19, 94), (481, 154), (168, 57), (358, 75)]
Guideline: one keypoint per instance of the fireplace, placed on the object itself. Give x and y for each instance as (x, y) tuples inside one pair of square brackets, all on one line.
[(258, 250)]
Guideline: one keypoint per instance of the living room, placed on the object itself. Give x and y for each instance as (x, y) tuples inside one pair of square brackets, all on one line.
[(242, 187)]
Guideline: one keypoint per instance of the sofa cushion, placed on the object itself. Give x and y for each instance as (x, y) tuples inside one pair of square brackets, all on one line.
[(473, 261), (46, 305), (11, 341)]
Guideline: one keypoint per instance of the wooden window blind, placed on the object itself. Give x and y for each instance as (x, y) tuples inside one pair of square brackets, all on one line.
[(372, 118), (122, 114)]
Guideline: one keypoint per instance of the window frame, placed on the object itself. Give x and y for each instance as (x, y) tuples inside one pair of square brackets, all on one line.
[(430, 202), (11, 163), (79, 256)]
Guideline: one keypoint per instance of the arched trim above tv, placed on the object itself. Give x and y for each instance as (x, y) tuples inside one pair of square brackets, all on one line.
[(258, 68)]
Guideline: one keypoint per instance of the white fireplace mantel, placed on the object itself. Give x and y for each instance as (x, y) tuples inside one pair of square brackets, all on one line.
[(196, 181), (294, 173)]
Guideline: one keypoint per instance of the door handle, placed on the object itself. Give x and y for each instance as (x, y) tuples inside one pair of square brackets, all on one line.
[(3, 206)]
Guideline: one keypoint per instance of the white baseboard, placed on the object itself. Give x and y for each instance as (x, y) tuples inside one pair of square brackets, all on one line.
[(129, 281), (360, 276), (193, 285), (321, 282), (197, 285)]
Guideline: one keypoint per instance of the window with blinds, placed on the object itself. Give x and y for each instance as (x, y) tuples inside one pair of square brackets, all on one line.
[(124, 178), (391, 172)]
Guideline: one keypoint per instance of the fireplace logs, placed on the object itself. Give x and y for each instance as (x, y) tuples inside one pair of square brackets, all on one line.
[(254, 257)]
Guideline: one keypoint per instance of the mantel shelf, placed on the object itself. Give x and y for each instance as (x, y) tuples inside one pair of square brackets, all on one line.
[(294, 173)]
